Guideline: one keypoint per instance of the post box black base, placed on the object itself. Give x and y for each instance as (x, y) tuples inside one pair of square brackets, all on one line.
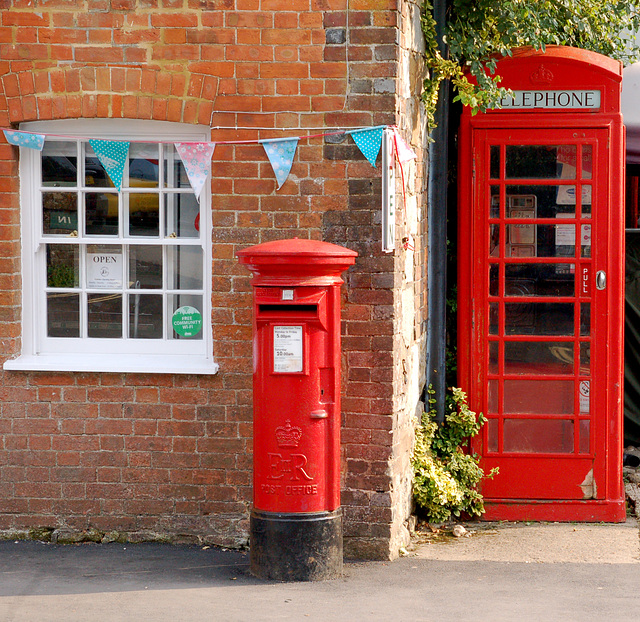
[(296, 547)]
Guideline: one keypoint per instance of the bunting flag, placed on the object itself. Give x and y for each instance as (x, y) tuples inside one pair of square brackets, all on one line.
[(196, 158), (404, 153), (369, 142), (281, 152), (113, 156), (24, 139)]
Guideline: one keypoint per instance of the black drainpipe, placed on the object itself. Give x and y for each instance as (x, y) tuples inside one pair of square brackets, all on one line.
[(437, 230)]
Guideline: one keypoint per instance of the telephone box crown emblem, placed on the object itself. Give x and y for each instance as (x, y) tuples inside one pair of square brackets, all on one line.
[(288, 435), (541, 76)]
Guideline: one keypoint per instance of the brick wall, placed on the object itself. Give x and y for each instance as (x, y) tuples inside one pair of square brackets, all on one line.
[(170, 454)]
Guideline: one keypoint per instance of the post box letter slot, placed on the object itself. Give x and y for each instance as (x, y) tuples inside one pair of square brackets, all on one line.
[(278, 310)]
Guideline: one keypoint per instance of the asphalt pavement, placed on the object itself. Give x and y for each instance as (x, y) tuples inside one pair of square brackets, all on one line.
[(497, 572)]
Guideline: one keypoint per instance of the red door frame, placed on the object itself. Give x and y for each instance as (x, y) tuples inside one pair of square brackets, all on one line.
[(587, 71)]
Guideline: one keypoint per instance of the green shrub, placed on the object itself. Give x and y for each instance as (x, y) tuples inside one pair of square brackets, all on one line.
[(445, 477)]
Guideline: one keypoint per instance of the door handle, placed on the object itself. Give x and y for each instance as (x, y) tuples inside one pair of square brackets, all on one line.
[(601, 279)]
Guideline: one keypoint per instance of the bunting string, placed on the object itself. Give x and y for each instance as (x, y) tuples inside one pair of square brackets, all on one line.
[(196, 156)]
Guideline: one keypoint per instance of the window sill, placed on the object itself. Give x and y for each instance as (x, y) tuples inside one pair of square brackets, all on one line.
[(138, 364)]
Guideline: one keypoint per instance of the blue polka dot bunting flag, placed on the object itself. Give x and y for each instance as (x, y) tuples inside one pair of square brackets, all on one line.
[(113, 156), (24, 139), (369, 142), (281, 152)]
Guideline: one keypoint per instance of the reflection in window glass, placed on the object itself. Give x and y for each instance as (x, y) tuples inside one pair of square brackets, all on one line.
[(143, 166), (145, 316), (585, 319), (539, 318), (182, 216), (105, 316), (494, 162), (585, 431), (492, 434), (145, 267), (101, 213), (538, 436), (144, 215), (59, 213), (587, 161), (63, 315), (494, 349), (585, 358), (493, 396), (540, 161), (185, 267), (493, 318), (62, 266), (538, 357), (538, 397), (495, 202), (59, 164), (539, 280), (175, 175), (493, 280)]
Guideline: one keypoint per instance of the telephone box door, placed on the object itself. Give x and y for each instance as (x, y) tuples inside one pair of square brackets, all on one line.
[(543, 273)]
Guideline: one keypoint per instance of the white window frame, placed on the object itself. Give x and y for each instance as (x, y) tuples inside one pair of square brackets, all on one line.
[(42, 353)]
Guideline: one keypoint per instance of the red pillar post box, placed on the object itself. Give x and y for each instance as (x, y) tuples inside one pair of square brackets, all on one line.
[(296, 521)]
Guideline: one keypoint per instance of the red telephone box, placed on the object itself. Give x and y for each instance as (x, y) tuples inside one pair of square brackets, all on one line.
[(296, 522), (541, 268)]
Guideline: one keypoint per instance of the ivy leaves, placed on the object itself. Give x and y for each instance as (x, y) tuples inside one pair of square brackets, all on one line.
[(480, 32)]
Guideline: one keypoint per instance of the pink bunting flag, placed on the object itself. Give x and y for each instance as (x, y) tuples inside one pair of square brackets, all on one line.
[(196, 158), (403, 151)]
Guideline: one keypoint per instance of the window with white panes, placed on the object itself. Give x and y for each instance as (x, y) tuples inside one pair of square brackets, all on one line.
[(118, 280)]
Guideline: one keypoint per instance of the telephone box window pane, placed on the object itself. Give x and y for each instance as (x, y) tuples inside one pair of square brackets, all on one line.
[(538, 357), (143, 165), (538, 397), (539, 318), (538, 436), (59, 213), (175, 175), (540, 162), (495, 202), (586, 204), (492, 434), (182, 215), (493, 318), (59, 164), (104, 312), (585, 234), (63, 262), (493, 280), (538, 280), (494, 349), (585, 319), (585, 358), (178, 301), (495, 161), (494, 240), (144, 215), (185, 267), (145, 316), (587, 161), (63, 315), (145, 267), (585, 430), (101, 217), (493, 396), (95, 174)]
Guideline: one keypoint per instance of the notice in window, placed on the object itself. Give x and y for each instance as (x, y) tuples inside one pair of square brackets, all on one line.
[(104, 267), (287, 349)]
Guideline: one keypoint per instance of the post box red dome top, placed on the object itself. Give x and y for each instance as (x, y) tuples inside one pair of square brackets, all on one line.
[(560, 70), (310, 262)]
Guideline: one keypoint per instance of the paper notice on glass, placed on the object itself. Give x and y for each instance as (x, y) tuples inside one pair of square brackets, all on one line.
[(287, 349), (104, 267)]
